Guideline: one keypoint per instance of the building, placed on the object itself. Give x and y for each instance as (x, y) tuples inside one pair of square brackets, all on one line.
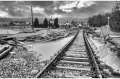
[(65, 25), (51, 23), (19, 23)]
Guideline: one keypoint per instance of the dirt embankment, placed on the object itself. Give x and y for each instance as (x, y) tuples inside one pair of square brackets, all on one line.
[(51, 35)]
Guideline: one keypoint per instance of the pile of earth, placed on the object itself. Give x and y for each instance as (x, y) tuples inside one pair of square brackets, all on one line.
[(49, 37)]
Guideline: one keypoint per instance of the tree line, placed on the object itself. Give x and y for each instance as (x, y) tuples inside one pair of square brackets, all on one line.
[(115, 18), (45, 23), (102, 19), (98, 20)]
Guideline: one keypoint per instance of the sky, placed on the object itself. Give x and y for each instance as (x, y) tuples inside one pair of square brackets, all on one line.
[(59, 9)]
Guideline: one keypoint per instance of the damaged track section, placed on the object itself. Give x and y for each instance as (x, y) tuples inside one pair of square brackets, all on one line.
[(72, 61), (4, 51)]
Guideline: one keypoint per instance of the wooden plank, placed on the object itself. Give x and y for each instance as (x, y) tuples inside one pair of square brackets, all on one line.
[(81, 58), (74, 62), (73, 68)]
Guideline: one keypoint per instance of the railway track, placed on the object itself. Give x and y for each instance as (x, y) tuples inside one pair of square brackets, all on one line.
[(76, 59)]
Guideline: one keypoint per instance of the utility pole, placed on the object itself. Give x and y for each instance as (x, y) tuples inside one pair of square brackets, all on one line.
[(108, 27), (32, 19), (108, 20)]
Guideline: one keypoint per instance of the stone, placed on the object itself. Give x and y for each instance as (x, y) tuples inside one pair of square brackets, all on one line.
[(34, 71)]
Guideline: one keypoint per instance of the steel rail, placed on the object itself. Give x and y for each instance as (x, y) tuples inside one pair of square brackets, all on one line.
[(55, 58), (91, 52)]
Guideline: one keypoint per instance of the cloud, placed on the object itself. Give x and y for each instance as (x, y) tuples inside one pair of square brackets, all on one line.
[(56, 15), (68, 7), (38, 10), (4, 14), (42, 4), (13, 8), (56, 8), (92, 8)]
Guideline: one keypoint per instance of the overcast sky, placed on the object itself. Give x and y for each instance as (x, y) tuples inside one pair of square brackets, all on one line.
[(60, 9)]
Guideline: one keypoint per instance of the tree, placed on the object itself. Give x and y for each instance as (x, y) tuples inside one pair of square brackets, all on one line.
[(11, 23), (107, 14), (97, 20), (102, 20), (115, 18), (41, 25), (36, 23), (45, 23), (73, 23), (56, 23), (91, 21)]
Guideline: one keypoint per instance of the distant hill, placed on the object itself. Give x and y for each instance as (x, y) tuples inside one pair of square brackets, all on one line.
[(61, 20), (5, 19)]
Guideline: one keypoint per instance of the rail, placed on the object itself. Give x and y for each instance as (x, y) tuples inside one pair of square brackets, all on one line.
[(53, 60), (90, 51)]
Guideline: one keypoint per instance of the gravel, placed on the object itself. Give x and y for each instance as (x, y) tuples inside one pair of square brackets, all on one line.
[(21, 64), (60, 73)]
